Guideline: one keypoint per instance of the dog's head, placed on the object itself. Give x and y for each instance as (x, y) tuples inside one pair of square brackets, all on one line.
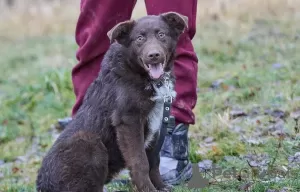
[(151, 40)]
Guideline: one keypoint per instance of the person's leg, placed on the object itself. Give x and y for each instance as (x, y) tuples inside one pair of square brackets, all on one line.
[(96, 18), (174, 164)]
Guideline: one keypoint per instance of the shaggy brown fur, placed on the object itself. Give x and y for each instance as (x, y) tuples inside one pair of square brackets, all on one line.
[(109, 131)]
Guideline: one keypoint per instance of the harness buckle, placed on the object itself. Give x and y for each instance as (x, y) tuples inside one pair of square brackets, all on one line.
[(168, 98)]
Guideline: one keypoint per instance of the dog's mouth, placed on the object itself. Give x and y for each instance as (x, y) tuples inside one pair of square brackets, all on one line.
[(155, 70)]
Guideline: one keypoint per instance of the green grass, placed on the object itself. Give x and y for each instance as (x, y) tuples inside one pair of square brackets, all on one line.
[(36, 90)]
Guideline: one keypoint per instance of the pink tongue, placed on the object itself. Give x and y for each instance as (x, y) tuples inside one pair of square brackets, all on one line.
[(156, 70)]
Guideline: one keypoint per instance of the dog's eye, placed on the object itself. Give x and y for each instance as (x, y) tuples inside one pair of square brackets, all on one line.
[(140, 38), (161, 34)]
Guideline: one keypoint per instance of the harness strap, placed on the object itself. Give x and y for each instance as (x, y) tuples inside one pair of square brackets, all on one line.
[(164, 125)]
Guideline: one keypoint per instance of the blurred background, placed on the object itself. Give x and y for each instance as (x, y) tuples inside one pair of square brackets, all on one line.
[(45, 17), (248, 87)]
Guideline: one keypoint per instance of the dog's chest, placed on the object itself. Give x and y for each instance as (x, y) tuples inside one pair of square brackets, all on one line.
[(156, 114)]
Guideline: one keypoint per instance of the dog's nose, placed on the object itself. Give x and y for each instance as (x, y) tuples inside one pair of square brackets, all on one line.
[(153, 55)]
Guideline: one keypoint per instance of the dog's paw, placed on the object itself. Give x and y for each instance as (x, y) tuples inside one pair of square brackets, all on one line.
[(166, 188)]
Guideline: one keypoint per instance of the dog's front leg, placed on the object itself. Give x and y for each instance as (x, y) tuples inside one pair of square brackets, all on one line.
[(154, 160), (131, 143)]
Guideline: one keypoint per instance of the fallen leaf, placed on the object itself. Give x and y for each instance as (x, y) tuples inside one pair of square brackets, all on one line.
[(15, 169), (21, 159), (225, 87), (296, 116), (209, 140), (252, 140), (255, 111), (257, 160), (216, 84), (237, 113), (258, 122), (277, 113), (205, 165), (294, 160)]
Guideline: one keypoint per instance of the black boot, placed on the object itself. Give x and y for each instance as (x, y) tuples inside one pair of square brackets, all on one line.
[(175, 166)]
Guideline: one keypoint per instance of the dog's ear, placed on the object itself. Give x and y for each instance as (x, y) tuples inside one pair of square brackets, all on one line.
[(176, 21), (121, 32)]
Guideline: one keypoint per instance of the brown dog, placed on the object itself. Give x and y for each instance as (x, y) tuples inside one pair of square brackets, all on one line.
[(119, 120)]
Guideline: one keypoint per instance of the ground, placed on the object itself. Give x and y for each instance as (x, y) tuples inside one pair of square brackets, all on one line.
[(248, 95)]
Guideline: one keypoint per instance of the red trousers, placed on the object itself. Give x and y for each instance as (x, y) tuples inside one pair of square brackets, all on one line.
[(97, 17)]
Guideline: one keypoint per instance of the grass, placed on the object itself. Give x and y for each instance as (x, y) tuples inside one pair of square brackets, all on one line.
[(247, 51)]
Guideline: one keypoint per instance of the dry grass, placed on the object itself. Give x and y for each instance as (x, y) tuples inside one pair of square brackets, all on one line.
[(40, 17), (247, 9), (256, 61)]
